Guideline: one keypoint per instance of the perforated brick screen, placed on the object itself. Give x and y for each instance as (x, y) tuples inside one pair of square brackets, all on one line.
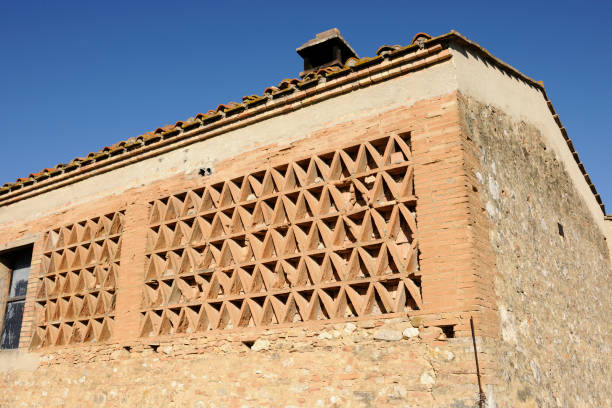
[(75, 302), (329, 237)]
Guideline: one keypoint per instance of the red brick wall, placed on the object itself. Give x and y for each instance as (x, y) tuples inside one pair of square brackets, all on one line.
[(450, 235), (447, 231)]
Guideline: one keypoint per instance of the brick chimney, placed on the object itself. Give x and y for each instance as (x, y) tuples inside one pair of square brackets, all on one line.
[(326, 49)]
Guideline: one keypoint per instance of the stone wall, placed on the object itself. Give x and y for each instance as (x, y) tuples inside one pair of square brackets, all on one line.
[(368, 364), (608, 222), (553, 278)]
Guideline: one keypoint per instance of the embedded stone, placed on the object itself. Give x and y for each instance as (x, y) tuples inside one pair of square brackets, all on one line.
[(410, 332), (324, 336), (260, 345), (427, 379), (349, 328), (434, 333), (417, 321), (367, 324), (388, 335)]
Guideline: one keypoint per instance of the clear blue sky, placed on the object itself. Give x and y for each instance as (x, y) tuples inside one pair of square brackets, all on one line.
[(79, 75)]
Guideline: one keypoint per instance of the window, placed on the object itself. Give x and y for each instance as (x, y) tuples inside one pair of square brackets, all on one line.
[(15, 266)]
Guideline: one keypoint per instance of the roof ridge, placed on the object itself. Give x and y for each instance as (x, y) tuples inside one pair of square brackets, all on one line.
[(421, 41), (285, 87)]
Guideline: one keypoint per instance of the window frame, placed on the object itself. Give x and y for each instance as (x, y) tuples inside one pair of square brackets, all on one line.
[(6, 259)]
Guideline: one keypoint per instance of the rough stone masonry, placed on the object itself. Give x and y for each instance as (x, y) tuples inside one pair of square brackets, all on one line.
[(412, 229)]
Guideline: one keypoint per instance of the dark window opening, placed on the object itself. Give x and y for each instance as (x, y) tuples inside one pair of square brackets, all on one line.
[(449, 331), (16, 265), (248, 343), (205, 171)]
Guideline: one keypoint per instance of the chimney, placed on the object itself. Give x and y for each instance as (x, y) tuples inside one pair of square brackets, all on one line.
[(326, 49)]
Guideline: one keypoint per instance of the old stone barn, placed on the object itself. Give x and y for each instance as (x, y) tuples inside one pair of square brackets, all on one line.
[(411, 229)]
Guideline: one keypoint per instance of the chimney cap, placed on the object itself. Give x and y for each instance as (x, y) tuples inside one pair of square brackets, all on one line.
[(326, 49), (327, 35)]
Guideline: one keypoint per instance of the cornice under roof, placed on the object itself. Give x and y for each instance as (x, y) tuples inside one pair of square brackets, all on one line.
[(422, 46)]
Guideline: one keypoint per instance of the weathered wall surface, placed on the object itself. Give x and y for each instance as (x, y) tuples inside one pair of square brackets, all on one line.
[(522, 101), (609, 233), (352, 368), (4, 289), (491, 194), (553, 286), (369, 364), (277, 129)]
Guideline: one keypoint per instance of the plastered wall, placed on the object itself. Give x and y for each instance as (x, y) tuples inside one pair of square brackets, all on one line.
[(491, 85), (608, 224), (284, 129)]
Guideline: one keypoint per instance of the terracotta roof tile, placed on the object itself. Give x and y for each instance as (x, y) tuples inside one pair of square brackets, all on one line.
[(337, 72), (328, 70), (174, 130), (252, 100), (227, 106), (285, 90), (249, 98), (270, 90), (362, 62), (190, 124), (285, 83), (418, 36), (233, 108), (285, 87), (212, 116), (385, 49)]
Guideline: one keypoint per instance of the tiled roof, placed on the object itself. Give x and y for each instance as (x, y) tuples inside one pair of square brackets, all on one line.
[(163, 135)]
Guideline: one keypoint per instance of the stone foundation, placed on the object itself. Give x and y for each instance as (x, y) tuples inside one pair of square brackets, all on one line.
[(367, 364)]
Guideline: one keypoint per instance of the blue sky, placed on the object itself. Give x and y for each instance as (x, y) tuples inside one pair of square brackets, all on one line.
[(79, 75)]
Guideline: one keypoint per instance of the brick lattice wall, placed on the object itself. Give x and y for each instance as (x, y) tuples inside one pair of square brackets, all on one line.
[(280, 247), (75, 300), (329, 237)]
